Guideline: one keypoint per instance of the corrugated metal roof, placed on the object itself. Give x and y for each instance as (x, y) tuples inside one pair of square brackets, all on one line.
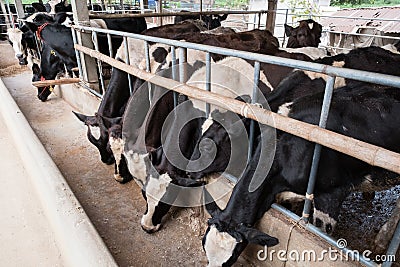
[(348, 25)]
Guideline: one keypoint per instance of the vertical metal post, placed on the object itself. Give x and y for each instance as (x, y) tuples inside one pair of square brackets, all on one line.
[(259, 20), (254, 99), (127, 61), (208, 80), (271, 15), (393, 246), (100, 68), (174, 74), (77, 53), (284, 35), (182, 64), (317, 150), (81, 17), (110, 48), (20, 9), (148, 69)]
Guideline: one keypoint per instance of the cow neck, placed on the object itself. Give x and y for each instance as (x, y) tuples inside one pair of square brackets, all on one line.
[(40, 29)]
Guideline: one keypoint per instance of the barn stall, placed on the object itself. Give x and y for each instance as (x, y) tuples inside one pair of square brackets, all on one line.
[(273, 219)]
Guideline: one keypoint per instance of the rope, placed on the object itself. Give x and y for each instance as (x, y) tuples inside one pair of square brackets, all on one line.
[(244, 110), (297, 223)]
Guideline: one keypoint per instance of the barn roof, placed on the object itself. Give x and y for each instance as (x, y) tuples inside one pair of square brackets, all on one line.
[(348, 25)]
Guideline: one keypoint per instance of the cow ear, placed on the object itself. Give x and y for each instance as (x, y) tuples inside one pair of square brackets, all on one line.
[(256, 237), (244, 98), (35, 69), (288, 30), (211, 206), (39, 7), (88, 120)]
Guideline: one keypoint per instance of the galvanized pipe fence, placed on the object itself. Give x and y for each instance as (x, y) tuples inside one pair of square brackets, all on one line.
[(368, 153)]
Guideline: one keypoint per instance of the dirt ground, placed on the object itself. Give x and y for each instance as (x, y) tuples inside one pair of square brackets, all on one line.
[(116, 209)]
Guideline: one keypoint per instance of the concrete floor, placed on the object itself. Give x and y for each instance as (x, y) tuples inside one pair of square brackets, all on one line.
[(26, 238)]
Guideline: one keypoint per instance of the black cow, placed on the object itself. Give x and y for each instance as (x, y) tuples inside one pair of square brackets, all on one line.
[(365, 112), (59, 37), (308, 33), (211, 21)]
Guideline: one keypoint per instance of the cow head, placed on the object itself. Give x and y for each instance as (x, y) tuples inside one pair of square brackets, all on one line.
[(50, 67), (213, 21), (101, 143), (43, 92), (308, 33), (15, 37), (219, 132), (225, 238)]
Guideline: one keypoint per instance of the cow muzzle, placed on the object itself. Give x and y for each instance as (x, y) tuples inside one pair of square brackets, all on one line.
[(22, 60)]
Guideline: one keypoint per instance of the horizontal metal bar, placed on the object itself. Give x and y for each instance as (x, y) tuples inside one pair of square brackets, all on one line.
[(323, 235), (371, 154), (371, 77), (393, 246), (168, 14), (365, 34)]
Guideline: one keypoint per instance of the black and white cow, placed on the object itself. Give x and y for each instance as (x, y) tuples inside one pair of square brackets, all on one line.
[(301, 83), (58, 36), (117, 94), (365, 112), (308, 33)]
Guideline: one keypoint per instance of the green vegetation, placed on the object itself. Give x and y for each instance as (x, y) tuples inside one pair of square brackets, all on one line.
[(364, 3)]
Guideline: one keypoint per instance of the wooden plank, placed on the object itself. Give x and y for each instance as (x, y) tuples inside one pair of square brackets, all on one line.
[(55, 82), (371, 154)]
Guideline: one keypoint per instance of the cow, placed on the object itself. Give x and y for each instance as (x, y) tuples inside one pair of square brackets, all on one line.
[(59, 36), (301, 83), (117, 93), (211, 21), (364, 111), (308, 33)]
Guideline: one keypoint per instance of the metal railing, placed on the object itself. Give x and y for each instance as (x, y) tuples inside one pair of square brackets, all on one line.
[(331, 71)]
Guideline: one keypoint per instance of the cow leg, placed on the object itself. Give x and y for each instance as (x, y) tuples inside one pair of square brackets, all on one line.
[(327, 207), (123, 175), (384, 236)]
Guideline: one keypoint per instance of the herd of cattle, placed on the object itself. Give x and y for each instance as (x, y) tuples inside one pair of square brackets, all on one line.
[(138, 147)]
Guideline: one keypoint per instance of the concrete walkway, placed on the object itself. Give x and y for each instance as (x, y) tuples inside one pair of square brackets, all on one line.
[(26, 238)]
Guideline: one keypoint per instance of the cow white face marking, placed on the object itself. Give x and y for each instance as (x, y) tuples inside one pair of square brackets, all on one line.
[(285, 109), (206, 125), (15, 37), (117, 147), (325, 219), (67, 22), (155, 190), (137, 165), (218, 246), (288, 196)]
